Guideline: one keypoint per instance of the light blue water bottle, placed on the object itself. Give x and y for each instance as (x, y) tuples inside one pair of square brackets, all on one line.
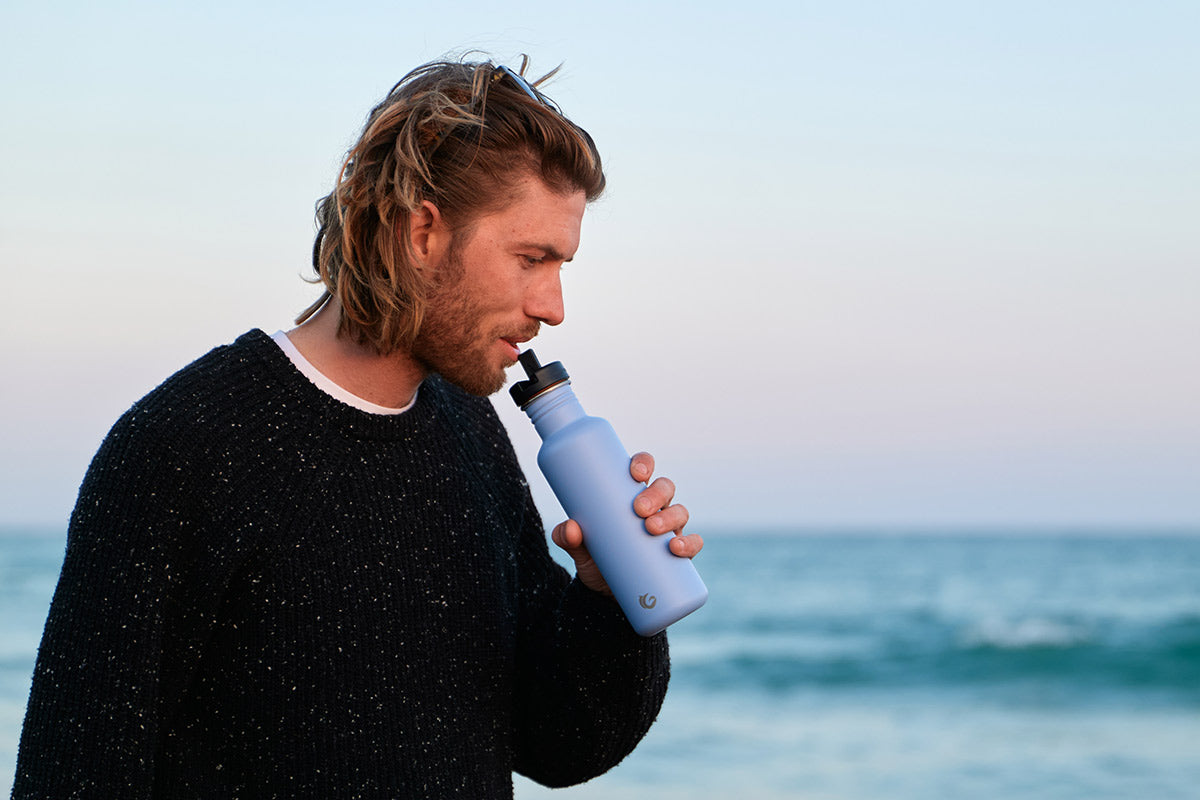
[(588, 469)]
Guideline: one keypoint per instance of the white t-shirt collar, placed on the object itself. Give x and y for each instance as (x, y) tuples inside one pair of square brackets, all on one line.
[(330, 388)]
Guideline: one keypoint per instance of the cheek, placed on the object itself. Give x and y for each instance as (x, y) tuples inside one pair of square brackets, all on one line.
[(510, 292)]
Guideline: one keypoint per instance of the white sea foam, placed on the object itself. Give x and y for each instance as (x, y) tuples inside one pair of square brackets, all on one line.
[(1023, 634)]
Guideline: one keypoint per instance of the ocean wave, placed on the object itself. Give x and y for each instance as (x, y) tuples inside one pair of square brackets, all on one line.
[(1040, 653), (1021, 634)]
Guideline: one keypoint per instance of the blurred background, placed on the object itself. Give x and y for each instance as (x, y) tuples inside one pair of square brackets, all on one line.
[(903, 296)]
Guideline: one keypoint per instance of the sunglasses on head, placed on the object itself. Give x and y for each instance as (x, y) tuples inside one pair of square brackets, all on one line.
[(502, 71), (499, 73)]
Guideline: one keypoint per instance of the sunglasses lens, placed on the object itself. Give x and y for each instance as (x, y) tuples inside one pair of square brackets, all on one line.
[(521, 83)]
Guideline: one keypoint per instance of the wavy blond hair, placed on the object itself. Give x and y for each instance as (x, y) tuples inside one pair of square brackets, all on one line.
[(457, 134)]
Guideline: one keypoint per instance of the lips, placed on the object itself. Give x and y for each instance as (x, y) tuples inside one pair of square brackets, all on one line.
[(515, 341)]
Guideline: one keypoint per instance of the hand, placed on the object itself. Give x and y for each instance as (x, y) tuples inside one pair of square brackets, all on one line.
[(652, 504)]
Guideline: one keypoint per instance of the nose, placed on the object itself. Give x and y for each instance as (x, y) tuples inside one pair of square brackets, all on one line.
[(545, 302)]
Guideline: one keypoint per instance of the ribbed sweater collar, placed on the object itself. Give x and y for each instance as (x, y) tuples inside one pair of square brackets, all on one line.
[(289, 389)]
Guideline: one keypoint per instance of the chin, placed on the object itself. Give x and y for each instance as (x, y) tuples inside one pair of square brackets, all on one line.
[(481, 383)]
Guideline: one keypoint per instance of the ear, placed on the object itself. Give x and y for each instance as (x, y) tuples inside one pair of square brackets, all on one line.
[(428, 235)]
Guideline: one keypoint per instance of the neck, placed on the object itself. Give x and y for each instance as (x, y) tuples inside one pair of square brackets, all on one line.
[(389, 380)]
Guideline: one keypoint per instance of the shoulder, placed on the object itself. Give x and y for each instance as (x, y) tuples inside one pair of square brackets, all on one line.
[(229, 394), (474, 422), (232, 375)]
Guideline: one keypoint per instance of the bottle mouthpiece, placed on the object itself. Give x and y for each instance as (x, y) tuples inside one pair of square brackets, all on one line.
[(529, 361), (540, 378)]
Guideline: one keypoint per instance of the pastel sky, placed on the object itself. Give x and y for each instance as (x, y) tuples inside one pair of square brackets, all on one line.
[(883, 264)]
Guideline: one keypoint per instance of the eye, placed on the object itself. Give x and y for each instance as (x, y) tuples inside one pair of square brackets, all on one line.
[(532, 261)]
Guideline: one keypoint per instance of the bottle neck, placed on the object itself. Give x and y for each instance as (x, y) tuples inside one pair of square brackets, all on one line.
[(554, 410)]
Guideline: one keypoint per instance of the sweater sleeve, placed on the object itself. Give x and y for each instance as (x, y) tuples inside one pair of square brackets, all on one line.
[(123, 619), (589, 687)]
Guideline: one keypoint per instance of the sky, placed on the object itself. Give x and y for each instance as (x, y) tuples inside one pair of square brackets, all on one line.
[(860, 264)]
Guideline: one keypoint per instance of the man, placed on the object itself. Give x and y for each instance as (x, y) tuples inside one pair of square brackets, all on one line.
[(308, 565)]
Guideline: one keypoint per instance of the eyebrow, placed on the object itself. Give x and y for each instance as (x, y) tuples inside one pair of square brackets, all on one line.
[(551, 252)]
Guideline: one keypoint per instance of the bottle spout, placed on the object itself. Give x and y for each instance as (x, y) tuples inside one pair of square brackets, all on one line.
[(539, 378), (529, 361)]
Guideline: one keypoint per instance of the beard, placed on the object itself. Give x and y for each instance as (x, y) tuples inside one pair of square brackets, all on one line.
[(453, 342)]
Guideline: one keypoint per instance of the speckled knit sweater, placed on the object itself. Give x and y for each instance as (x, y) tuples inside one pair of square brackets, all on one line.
[(267, 593)]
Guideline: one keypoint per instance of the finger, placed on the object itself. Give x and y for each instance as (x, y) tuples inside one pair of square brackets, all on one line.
[(569, 536), (671, 518), (657, 495), (641, 466), (687, 546)]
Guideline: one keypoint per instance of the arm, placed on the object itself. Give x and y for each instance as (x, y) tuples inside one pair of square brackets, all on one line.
[(593, 692), (104, 678), (588, 687)]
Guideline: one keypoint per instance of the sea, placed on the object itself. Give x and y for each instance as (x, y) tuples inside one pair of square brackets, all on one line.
[(855, 664)]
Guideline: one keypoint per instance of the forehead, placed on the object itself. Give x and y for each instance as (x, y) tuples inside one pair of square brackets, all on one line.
[(536, 215)]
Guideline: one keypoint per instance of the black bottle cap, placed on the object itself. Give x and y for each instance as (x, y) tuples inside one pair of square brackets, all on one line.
[(540, 378)]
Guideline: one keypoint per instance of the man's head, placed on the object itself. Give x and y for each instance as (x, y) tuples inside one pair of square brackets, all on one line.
[(495, 285), (461, 137)]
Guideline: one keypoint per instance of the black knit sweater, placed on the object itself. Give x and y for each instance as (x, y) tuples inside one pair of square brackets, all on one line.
[(268, 593)]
